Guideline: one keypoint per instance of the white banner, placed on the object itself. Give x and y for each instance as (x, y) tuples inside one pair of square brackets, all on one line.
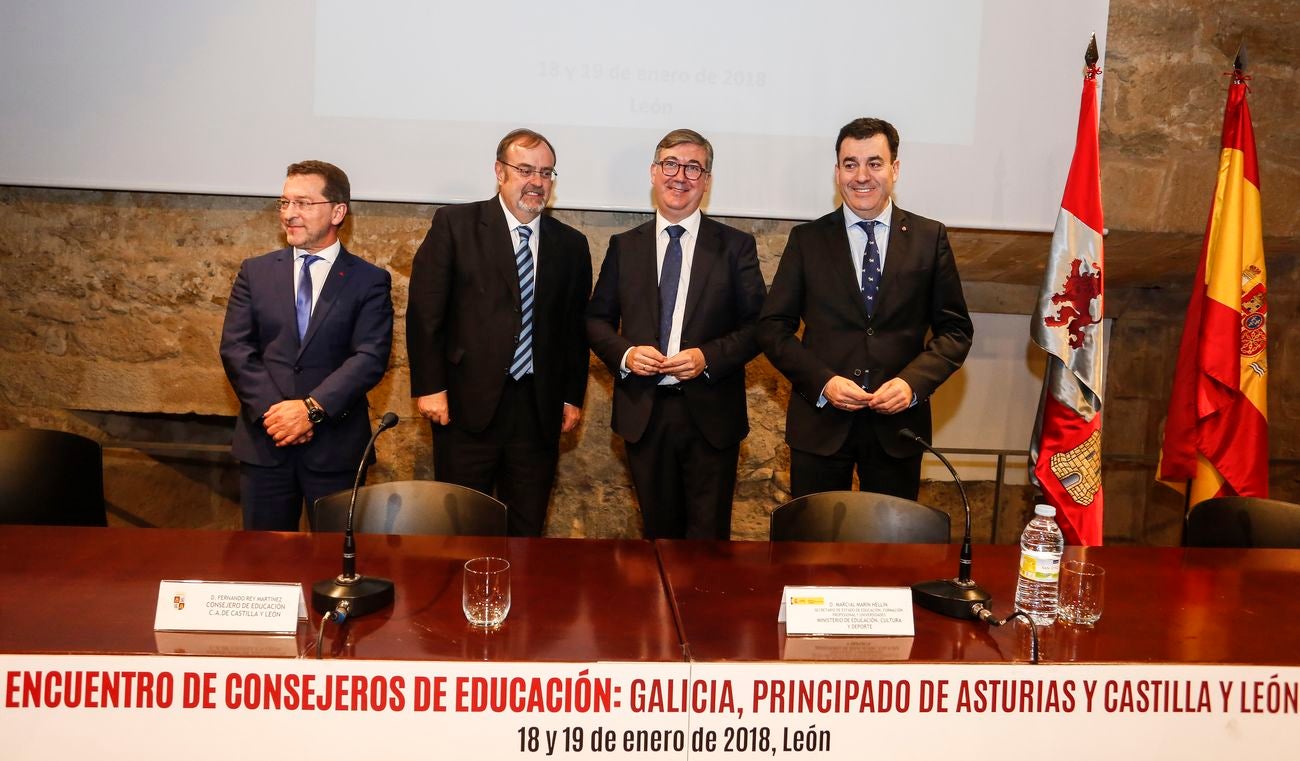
[(155, 707)]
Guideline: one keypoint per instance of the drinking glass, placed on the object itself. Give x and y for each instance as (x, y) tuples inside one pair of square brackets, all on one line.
[(485, 592), (1083, 592)]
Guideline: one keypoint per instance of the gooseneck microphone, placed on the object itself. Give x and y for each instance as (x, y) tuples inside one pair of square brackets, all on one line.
[(361, 593), (959, 597)]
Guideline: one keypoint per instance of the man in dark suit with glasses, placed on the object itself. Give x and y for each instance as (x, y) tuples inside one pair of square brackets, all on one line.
[(307, 334), (673, 318), (495, 334)]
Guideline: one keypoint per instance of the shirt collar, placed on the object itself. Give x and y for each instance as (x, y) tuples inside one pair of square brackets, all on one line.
[(329, 253), (691, 223), (884, 218)]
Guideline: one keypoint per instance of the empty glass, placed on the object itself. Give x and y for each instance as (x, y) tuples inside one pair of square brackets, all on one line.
[(485, 592), (1083, 592)]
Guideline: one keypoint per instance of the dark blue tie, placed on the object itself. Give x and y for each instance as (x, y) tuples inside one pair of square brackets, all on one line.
[(303, 300), (670, 278), (870, 267), (523, 363)]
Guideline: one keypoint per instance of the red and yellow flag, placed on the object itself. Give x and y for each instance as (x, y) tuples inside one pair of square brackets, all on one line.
[(1216, 434), (1065, 452)]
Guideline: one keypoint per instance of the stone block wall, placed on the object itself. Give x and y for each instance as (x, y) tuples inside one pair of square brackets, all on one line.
[(111, 302)]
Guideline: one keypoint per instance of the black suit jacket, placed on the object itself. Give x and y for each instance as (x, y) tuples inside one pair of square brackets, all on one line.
[(464, 314), (920, 294), (722, 305), (343, 355)]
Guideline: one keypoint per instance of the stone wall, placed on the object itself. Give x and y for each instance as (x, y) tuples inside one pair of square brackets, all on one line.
[(112, 302)]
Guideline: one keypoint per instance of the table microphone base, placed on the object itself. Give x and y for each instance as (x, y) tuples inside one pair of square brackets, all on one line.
[(950, 597), (366, 594)]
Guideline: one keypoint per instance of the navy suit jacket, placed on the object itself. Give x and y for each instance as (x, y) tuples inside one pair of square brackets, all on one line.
[(920, 331), (343, 356), (464, 314), (722, 304)]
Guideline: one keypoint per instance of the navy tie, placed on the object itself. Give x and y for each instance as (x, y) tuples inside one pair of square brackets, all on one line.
[(523, 363), (303, 300), (870, 267), (670, 278)]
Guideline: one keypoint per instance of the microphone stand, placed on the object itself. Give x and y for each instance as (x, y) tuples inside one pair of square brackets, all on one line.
[(349, 593), (959, 597)]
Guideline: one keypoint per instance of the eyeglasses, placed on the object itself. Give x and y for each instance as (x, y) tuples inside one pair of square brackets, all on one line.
[(670, 168), (285, 203), (526, 171)]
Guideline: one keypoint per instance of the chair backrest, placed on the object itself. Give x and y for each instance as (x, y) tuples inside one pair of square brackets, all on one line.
[(414, 507), (858, 516), (51, 478), (1244, 522)]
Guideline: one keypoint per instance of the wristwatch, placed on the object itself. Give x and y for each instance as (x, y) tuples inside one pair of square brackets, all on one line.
[(314, 413)]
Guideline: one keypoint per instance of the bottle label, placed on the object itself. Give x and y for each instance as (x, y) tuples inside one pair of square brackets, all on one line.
[(1040, 566)]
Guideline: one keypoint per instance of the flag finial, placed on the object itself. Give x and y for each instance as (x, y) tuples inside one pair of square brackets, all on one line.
[(1239, 63), (1090, 58)]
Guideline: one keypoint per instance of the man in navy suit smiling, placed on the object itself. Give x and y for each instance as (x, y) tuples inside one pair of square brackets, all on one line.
[(673, 318), (884, 320), (308, 332)]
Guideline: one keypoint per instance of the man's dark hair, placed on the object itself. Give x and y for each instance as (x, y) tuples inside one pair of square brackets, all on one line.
[(686, 137), (865, 127), (337, 187), (526, 138)]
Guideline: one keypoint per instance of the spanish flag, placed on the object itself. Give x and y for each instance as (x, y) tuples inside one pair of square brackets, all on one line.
[(1065, 451), (1216, 434)]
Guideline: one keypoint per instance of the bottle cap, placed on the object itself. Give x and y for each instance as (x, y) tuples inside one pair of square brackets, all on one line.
[(1047, 510)]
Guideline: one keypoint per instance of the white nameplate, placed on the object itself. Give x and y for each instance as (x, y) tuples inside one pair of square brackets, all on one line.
[(847, 611), (229, 606)]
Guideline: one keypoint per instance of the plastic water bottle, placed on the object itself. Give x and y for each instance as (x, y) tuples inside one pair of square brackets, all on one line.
[(1041, 546)]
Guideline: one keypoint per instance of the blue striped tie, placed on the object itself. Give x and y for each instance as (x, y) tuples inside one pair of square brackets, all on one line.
[(870, 267), (303, 301), (523, 363)]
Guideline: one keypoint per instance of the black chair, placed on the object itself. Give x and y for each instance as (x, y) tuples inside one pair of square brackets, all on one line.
[(51, 478), (1244, 522), (414, 507), (858, 516)]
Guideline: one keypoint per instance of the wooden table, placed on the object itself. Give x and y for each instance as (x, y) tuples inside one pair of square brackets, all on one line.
[(1163, 605), (94, 590)]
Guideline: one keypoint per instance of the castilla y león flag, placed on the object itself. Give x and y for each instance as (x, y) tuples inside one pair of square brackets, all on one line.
[(1065, 453), (1216, 434)]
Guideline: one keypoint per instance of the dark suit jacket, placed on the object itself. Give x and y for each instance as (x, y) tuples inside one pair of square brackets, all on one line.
[(464, 314), (920, 293), (722, 304), (343, 355)]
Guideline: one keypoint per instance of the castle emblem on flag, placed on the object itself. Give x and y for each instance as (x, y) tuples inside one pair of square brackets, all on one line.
[(178, 602), (1075, 303), (1079, 469)]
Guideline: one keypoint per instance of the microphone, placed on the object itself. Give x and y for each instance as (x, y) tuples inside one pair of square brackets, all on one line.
[(359, 594), (959, 597)]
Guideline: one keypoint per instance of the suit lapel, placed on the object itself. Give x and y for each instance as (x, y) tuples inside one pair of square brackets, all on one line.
[(547, 275), (897, 259), (847, 278), (708, 248), (643, 267), (335, 281), (284, 301), (497, 248)]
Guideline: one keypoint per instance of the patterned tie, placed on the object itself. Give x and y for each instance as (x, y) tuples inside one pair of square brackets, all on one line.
[(303, 300), (870, 267), (523, 363), (669, 280)]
